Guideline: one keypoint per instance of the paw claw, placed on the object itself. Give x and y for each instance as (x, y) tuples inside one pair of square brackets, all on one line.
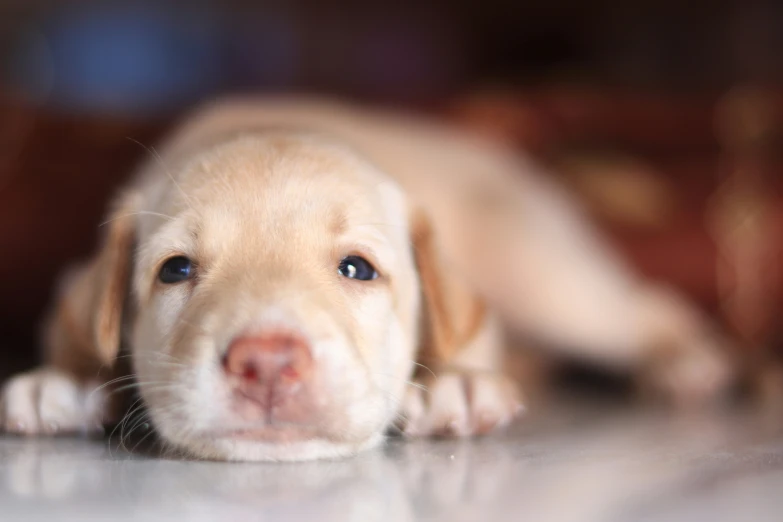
[(485, 423), (448, 429)]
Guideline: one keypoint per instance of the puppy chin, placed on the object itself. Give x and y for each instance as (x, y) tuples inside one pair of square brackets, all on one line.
[(232, 449)]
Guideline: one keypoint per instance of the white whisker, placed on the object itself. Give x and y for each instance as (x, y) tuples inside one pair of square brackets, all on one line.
[(137, 213), (426, 368), (159, 159)]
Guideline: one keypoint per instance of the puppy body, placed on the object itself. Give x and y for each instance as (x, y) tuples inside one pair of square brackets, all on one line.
[(266, 212), (519, 239)]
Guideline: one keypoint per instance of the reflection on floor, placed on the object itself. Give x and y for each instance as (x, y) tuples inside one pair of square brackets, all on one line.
[(586, 466)]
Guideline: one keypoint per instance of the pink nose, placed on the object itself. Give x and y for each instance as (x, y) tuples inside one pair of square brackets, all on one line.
[(275, 359)]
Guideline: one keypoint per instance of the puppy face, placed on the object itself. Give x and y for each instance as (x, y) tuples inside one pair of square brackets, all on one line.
[(274, 300)]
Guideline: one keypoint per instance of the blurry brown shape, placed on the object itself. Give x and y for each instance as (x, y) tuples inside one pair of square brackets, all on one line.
[(504, 117), (15, 129), (726, 170), (553, 118), (743, 217), (671, 161), (621, 188), (658, 154), (56, 174)]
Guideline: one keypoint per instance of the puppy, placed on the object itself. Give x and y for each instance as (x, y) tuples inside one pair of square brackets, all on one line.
[(289, 278)]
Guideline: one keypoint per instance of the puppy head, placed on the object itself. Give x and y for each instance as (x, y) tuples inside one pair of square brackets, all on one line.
[(275, 298)]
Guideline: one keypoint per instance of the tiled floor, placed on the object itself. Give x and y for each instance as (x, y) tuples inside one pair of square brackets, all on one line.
[(585, 467)]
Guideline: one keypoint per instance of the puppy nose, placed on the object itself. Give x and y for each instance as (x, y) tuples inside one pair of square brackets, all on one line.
[(269, 358)]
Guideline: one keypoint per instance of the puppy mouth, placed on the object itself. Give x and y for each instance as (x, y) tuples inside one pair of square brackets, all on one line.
[(270, 433)]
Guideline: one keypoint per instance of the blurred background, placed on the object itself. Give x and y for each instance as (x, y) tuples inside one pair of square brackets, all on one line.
[(665, 117)]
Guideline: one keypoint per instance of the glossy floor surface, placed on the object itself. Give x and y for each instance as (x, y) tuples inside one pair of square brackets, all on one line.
[(589, 466)]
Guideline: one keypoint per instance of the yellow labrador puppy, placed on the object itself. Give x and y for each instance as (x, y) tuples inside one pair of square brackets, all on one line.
[(288, 278)]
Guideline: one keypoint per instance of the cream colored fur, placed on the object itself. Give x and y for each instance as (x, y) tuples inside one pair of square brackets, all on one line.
[(266, 196)]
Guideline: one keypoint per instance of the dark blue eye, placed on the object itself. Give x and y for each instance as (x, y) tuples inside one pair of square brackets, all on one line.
[(176, 270), (355, 267)]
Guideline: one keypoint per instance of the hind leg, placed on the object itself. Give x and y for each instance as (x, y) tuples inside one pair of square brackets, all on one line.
[(683, 359)]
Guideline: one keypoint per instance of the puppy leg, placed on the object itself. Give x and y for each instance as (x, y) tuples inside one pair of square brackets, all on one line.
[(48, 401), (57, 398), (61, 396), (470, 396), (683, 359), (81, 342)]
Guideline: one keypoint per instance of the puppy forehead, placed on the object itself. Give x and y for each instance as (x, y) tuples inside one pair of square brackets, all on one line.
[(279, 171), (274, 183)]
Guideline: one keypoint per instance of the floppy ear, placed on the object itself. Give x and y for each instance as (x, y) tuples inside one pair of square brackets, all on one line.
[(83, 331), (452, 314)]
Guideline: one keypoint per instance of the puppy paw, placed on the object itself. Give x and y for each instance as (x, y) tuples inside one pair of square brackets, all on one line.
[(46, 402), (691, 377), (459, 404)]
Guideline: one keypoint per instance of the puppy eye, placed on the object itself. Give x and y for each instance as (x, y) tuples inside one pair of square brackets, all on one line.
[(176, 270), (355, 267)]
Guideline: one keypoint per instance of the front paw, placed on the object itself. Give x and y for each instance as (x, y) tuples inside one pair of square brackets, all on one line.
[(459, 404), (46, 401)]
